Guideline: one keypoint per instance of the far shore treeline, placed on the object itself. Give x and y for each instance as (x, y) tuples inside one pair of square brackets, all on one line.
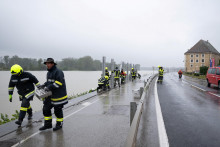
[(84, 63)]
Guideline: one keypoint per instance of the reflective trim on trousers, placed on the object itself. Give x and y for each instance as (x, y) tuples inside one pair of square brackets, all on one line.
[(60, 119), (47, 117), (23, 109)]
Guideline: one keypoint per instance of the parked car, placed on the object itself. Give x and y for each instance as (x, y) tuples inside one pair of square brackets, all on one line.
[(213, 76)]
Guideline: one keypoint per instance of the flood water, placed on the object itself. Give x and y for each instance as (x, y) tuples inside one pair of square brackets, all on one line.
[(76, 82)]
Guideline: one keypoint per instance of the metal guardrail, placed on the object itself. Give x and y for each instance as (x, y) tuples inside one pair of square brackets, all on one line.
[(132, 134)]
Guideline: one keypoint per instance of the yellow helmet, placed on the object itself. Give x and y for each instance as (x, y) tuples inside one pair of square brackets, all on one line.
[(106, 68), (106, 77), (132, 68), (159, 66), (16, 69)]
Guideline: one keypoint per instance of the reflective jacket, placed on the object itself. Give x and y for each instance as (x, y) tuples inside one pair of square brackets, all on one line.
[(133, 73), (106, 73), (24, 84), (56, 83), (101, 81), (117, 73), (161, 72)]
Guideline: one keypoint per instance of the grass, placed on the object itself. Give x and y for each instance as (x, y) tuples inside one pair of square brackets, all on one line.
[(5, 119), (193, 76)]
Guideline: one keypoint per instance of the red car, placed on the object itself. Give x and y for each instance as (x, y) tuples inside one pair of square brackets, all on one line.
[(213, 76)]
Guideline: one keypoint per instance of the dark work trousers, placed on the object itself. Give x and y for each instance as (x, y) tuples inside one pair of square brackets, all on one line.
[(25, 107), (118, 81), (58, 109)]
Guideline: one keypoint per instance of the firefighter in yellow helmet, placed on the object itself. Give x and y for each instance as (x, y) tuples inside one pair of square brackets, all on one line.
[(106, 71), (133, 74), (24, 82), (160, 74)]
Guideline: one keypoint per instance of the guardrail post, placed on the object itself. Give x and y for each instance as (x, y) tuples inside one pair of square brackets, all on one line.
[(133, 108), (141, 91), (103, 66)]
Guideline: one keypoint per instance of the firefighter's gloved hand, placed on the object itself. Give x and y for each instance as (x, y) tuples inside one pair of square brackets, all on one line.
[(40, 86), (10, 97), (46, 89)]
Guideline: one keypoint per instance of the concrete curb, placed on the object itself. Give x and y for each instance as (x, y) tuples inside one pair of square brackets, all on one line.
[(131, 138), (10, 127)]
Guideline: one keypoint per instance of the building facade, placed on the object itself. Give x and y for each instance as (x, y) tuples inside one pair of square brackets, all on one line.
[(200, 55)]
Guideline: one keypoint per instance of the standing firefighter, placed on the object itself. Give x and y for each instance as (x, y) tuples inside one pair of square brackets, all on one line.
[(56, 84), (24, 82), (106, 71), (116, 76), (160, 77), (133, 74)]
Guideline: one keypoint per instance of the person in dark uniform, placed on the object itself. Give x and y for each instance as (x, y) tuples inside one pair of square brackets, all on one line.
[(133, 74), (56, 84), (24, 82), (116, 76)]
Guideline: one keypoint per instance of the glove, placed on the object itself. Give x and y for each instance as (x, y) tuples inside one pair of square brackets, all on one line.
[(10, 98), (40, 86), (46, 89)]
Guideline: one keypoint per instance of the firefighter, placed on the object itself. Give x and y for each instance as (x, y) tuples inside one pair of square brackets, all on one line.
[(24, 82), (160, 77), (56, 84), (116, 76), (133, 74), (123, 76), (106, 71)]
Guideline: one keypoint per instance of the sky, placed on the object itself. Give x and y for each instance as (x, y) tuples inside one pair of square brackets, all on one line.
[(145, 32)]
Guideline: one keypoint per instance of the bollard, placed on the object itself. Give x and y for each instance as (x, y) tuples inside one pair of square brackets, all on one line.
[(141, 91), (133, 108)]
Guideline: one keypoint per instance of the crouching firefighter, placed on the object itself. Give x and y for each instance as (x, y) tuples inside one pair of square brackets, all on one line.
[(103, 83), (24, 82), (56, 84)]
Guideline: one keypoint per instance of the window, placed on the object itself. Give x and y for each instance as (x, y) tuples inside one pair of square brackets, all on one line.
[(197, 61), (213, 71), (191, 60), (197, 55), (203, 55), (210, 70), (191, 65), (218, 72), (191, 56), (203, 60), (202, 65)]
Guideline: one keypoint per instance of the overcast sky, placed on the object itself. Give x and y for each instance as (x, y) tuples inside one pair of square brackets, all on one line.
[(150, 33)]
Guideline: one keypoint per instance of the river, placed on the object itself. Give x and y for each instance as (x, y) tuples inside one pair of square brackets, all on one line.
[(76, 82)]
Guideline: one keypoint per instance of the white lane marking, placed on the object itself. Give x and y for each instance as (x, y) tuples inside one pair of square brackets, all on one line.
[(198, 88), (195, 86), (214, 94), (163, 139), (86, 104), (22, 141)]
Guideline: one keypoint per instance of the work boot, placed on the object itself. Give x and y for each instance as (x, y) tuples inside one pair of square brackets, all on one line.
[(18, 122), (47, 125), (58, 126), (30, 117)]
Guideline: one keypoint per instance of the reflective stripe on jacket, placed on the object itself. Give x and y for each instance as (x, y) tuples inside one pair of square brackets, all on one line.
[(56, 83), (24, 84)]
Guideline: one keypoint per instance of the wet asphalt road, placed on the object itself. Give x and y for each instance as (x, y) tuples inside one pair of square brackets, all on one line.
[(191, 114), (101, 121)]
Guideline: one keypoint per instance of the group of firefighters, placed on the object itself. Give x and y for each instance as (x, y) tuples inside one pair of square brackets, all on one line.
[(103, 82), (55, 82)]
